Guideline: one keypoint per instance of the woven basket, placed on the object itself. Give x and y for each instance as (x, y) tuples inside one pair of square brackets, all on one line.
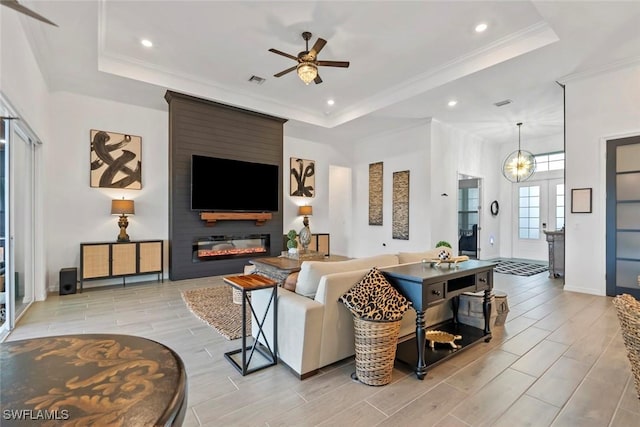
[(628, 309), (375, 350)]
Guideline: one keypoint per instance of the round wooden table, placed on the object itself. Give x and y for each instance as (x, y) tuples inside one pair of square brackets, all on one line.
[(91, 379)]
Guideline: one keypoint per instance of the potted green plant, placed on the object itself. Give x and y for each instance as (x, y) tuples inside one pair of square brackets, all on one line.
[(443, 243), (292, 243)]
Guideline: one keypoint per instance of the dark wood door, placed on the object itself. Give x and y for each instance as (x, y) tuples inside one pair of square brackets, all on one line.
[(623, 216)]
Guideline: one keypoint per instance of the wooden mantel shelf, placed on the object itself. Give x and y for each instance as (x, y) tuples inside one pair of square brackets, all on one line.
[(259, 217)]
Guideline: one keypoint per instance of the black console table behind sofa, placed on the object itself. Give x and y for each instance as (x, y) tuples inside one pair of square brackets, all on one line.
[(426, 286)]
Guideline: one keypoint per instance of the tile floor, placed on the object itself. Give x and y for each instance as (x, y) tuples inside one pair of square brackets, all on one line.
[(558, 361)]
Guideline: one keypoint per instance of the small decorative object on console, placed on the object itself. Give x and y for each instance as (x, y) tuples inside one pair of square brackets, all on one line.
[(442, 337), (292, 243)]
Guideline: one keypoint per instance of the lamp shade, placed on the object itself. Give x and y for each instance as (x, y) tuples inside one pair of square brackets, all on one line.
[(305, 210), (122, 207)]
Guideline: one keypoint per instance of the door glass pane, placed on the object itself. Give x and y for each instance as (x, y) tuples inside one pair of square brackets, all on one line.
[(4, 135), (628, 216), (559, 206), (628, 186), (628, 158), (627, 273), (628, 245), (22, 220), (529, 211)]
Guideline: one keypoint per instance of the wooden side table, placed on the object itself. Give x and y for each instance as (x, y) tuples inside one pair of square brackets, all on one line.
[(247, 283), (91, 379)]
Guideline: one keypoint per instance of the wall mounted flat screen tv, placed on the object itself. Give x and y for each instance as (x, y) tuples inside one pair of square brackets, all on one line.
[(233, 185)]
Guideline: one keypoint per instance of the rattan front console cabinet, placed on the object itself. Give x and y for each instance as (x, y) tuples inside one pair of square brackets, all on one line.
[(106, 260)]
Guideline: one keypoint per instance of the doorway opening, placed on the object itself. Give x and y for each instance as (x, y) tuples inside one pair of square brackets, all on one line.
[(469, 215)]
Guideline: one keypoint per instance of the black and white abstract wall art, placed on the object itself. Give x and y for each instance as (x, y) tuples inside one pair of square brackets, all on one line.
[(116, 160), (303, 177)]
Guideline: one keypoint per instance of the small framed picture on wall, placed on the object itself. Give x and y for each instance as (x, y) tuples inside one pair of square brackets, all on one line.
[(581, 200)]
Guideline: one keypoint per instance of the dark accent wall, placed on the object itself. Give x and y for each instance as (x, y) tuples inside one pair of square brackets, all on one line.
[(207, 128)]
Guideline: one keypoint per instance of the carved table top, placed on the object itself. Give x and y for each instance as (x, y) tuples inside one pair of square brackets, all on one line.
[(91, 379)]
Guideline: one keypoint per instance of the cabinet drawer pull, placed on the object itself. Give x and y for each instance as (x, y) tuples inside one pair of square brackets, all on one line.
[(436, 292), (482, 279)]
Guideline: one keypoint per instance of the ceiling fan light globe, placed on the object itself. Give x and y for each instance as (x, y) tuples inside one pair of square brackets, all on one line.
[(307, 72)]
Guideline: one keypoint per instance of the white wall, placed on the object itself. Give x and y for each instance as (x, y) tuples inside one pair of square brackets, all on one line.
[(20, 78), (78, 213), (324, 156), (456, 152), (600, 107), (400, 150)]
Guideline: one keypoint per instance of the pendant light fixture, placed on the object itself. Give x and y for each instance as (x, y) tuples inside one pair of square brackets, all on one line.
[(520, 165)]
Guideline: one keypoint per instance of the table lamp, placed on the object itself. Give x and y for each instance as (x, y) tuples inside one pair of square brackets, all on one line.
[(305, 233), (123, 208)]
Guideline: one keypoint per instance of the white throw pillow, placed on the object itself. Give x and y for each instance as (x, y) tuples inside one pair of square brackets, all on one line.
[(312, 271)]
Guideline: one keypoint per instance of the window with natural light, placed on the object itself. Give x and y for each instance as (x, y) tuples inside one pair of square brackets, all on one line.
[(529, 212), (549, 162)]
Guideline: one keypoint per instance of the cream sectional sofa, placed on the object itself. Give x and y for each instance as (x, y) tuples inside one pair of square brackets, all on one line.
[(314, 328)]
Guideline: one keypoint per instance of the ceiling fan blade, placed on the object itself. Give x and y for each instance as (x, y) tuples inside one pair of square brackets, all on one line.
[(283, 54), (317, 80), (288, 70), (13, 4), (343, 64), (315, 50)]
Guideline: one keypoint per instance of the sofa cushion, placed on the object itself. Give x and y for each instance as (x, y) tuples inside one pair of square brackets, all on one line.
[(312, 271), (374, 298), (410, 257)]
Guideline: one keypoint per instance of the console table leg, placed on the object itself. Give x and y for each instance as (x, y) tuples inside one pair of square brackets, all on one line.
[(421, 341), (486, 310), (455, 305)]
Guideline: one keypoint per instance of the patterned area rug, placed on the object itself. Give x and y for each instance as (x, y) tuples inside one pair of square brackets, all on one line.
[(519, 268), (215, 307)]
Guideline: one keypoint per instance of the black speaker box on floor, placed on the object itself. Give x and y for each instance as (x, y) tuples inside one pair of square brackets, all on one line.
[(68, 280)]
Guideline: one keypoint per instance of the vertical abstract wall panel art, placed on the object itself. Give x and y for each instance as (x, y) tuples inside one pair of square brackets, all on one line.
[(116, 160), (400, 213), (303, 177), (375, 193)]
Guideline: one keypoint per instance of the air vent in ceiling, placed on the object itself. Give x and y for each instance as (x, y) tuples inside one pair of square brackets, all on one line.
[(501, 103), (257, 80)]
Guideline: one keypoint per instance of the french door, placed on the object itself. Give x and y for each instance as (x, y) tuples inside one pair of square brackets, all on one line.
[(623, 216), (17, 216), (538, 207)]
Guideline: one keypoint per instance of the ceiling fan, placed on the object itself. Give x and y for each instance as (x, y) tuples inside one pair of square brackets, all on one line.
[(308, 63), (13, 4)]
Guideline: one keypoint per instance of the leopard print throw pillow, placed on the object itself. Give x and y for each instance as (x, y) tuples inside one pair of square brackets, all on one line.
[(373, 298)]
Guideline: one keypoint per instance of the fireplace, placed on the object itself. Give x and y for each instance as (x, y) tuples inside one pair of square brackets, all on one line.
[(213, 248)]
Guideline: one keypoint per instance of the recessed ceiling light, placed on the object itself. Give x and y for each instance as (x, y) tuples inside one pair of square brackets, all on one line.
[(146, 43), (452, 103), (330, 102), (481, 27)]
